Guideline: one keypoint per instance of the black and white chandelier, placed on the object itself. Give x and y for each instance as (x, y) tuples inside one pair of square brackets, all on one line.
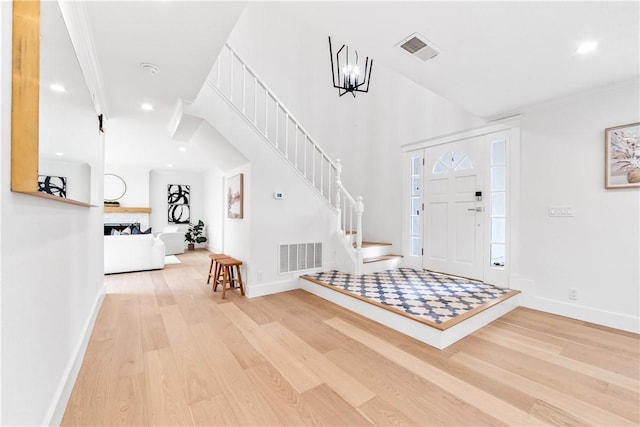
[(347, 72)]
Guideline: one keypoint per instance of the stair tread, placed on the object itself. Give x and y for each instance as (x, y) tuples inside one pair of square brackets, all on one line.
[(373, 244), (381, 258)]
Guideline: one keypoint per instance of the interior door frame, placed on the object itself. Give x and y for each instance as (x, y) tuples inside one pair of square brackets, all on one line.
[(511, 128)]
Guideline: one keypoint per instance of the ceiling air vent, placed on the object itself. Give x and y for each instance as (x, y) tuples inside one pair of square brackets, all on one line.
[(418, 47)]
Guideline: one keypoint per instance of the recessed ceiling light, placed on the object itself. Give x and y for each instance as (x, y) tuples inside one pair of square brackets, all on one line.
[(59, 153), (169, 165), (147, 107), (57, 88), (182, 149), (587, 47), (150, 68)]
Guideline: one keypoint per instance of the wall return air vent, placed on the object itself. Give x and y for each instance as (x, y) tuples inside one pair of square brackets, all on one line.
[(419, 47)]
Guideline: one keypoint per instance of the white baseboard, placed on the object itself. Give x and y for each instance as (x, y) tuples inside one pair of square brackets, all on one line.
[(588, 314), (263, 289), (63, 392)]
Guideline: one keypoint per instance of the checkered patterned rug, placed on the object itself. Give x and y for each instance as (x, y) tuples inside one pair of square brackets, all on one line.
[(429, 297)]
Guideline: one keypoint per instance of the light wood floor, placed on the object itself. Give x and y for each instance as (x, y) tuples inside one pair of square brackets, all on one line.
[(166, 350)]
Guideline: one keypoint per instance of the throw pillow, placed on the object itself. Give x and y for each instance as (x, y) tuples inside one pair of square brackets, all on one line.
[(126, 231), (147, 231)]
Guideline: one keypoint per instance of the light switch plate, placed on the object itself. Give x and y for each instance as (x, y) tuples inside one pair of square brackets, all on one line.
[(565, 211)]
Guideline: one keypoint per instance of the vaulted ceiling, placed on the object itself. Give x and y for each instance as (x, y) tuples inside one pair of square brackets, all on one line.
[(495, 57)]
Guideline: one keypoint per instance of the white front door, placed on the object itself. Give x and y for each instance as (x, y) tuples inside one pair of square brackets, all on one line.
[(454, 218)]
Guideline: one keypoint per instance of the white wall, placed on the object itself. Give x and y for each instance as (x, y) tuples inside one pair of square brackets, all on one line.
[(51, 279), (137, 180), (598, 250), (159, 179), (238, 234), (366, 132), (213, 209)]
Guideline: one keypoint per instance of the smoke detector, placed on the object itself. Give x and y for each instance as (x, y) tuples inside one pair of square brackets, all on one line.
[(150, 68), (419, 47)]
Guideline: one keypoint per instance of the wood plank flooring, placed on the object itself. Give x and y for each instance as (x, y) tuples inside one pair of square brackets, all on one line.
[(166, 350)]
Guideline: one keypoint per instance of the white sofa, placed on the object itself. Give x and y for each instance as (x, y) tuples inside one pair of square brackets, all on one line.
[(135, 252), (173, 239)]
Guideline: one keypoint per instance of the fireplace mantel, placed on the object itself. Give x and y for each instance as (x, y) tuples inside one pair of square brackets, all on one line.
[(120, 209)]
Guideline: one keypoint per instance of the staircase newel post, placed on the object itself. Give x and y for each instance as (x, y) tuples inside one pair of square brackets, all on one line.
[(359, 212)]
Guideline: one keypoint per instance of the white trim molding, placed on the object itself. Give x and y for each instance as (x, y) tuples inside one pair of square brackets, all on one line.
[(491, 127), (76, 18), (63, 392), (611, 319)]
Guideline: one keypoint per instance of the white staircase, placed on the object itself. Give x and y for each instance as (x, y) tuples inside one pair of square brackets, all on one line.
[(239, 86)]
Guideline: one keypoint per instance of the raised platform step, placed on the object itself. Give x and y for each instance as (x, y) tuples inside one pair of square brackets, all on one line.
[(437, 335)]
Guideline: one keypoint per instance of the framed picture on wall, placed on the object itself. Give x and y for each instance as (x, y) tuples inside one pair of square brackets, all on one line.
[(622, 156), (54, 185), (178, 208), (235, 196)]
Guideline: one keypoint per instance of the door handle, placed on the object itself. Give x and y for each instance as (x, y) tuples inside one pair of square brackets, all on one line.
[(478, 209)]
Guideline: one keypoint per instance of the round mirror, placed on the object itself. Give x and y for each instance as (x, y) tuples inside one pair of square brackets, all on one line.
[(114, 187)]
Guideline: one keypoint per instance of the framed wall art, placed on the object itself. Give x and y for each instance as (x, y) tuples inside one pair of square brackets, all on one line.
[(622, 156), (235, 196), (54, 185), (178, 201)]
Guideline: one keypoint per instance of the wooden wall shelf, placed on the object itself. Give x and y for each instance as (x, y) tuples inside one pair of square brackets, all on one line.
[(120, 209)]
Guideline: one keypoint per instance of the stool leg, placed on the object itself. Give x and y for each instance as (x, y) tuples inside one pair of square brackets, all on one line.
[(224, 280), (233, 277), (216, 276), (240, 280), (209, 275)]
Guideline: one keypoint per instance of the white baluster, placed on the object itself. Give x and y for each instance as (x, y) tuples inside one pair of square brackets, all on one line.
[(295, 147), (322, 159), (218, 73), (304, 156), (338, 182), (231, 75), (255, 100), (286, 136), (329, 182), (313, 164), (244, 88), (359, 212), (266, 112), (351, 217), (277, 120)]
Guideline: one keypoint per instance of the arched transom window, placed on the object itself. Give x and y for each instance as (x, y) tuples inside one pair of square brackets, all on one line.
[(452, 160)]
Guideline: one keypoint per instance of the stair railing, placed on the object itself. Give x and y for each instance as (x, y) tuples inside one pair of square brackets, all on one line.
[(250, 97)]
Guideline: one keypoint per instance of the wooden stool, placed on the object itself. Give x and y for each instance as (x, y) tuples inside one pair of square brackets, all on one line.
[(228, 276), (218, 270)]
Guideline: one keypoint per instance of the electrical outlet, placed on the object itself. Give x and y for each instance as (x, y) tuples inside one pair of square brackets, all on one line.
[(573, 293)]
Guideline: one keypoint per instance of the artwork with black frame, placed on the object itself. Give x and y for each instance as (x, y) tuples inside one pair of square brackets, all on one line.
[(178, 199), (54, 185)]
